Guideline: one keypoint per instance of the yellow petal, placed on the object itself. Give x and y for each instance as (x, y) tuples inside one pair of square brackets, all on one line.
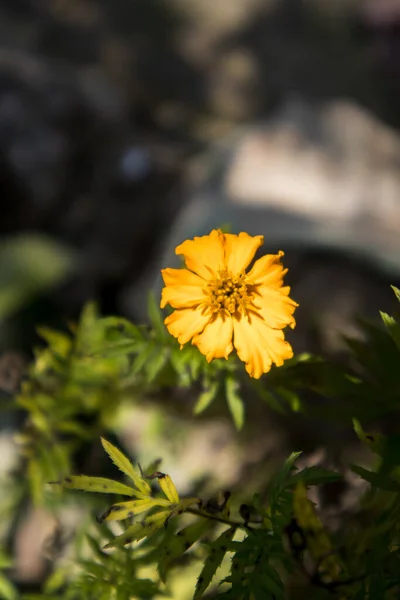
[(216, 339), (186, 322), (181, 277), (267, 270), (275, 308), (183, 288), (259, 346), (181, 296), (204, 255), (240, 250)]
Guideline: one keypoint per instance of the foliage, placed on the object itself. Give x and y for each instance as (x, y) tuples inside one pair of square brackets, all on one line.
[(277, 542), (29, 264)]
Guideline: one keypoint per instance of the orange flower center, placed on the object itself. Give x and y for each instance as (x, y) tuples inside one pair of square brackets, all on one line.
[(228, 293)]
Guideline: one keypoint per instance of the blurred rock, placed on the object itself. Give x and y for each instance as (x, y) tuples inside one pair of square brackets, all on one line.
[(30, 563), (320, 181)]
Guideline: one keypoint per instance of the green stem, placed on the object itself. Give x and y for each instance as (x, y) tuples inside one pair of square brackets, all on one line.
[(225, 521)]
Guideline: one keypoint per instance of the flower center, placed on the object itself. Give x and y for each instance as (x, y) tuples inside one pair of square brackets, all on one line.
[(227, 292)]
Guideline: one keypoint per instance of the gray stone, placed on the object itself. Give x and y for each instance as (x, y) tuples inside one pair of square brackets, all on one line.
[(312, 178)]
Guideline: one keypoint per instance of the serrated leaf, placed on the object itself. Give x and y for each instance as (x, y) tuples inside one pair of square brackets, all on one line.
[(376, 479), (120, 323), (143, 356), (315, 476), (213, 562), (180, 366), (271, 583), (59, 342), (317, 540), (93, 568), (125, 465), (235, 402), (97, 484), (136, 532), (125, 510), (167, 486), (156, 364), (56, 580), (396, 291), (393, 328), (95, 547), (178, 544), (205, 398)]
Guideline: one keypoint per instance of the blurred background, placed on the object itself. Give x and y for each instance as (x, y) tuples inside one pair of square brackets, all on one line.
[(127, 126)]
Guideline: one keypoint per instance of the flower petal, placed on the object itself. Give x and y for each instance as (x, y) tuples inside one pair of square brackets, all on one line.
[(259, 346), (181, 277), (204, 255), (186, 323), (181, 296), (274, 307), (240, 250), (216, 339), (267, 270), (183, 288)]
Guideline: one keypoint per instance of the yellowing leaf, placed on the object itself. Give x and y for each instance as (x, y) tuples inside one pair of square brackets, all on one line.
[(126, 510), (317, 540), (96, 484), (140, 530), (167, 486), (372, 440), (125, 465), (183, 505)]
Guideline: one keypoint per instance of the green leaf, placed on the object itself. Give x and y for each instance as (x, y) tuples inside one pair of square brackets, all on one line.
[(396, 291), (393, 328), (268, 396), (156, 364), (271, 583), (138, 531), (376, 479), (29, 264), (213, 561), (290, 397), (178, 544), (56, 580), (156, 317), (7, 589), (314, 476), (125, 465), (142, 358), (206, 397), (59, 342), (235, 402)]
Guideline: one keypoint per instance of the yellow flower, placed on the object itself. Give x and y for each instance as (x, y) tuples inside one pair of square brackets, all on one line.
[(219, 306)]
